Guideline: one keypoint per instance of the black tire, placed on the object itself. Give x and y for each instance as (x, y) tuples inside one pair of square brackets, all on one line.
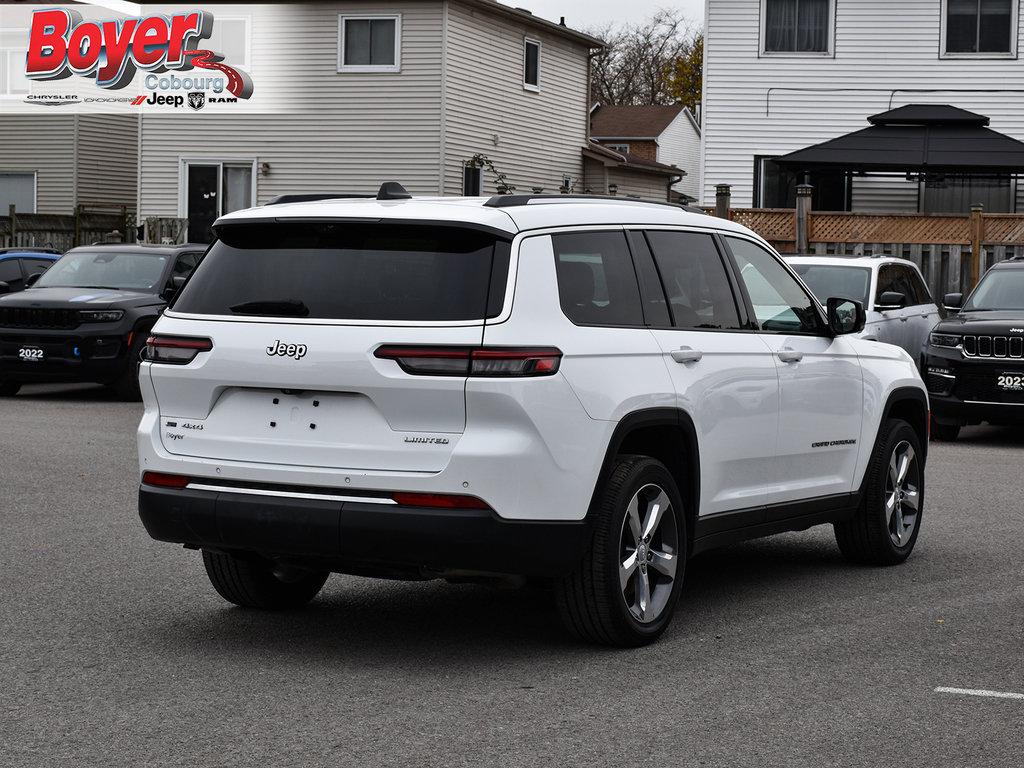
[(126, 387), (885, 527), (600, 601), (9, 388), (947, 433), (255, 582)]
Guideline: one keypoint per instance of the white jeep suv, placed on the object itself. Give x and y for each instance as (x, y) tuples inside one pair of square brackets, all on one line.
[(566, 387)]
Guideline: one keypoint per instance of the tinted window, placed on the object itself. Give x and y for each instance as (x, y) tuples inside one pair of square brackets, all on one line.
[(698, 291), (779, 302), (350, 271), (185, 263), (596, 281), (924, 296), (894, 277), (32, 266), (10, 272)]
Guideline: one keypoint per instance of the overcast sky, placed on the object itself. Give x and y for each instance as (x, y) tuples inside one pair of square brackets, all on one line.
[(590, 14)]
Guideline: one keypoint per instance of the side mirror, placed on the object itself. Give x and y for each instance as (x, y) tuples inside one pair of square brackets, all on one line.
[(173, 286), (31, 279), (952, 302), (890, 300), (4, 287), (845, 316)]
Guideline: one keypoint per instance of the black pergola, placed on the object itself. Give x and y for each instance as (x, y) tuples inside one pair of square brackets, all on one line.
[(927, 139)]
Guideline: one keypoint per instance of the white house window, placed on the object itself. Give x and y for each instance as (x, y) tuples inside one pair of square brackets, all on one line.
[(369, 43), (212, 188), (624, 148), (797, 26), (12, 61), (979, 27), (531, 65), (17, 189), (230, 37)]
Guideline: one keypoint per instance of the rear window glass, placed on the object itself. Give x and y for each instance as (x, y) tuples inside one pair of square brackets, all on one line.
[(596, 281), (350, 271)]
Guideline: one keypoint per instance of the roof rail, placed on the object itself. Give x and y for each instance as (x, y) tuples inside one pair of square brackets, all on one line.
[(309, 198), (389, 190), (513, 201)]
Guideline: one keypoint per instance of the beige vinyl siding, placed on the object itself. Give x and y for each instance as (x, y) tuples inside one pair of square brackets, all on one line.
[(886, 56), (45, 145), (107, 159), (540, 135)]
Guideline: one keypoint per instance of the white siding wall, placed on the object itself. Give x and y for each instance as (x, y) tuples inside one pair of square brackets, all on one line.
[(341, 132), (540, 135), (46, 145), (679, 145), (348, 132), (886, 56)]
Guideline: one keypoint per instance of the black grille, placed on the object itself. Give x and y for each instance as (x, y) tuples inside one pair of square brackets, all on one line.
[(38, 317), (994, 346), (981, 387)]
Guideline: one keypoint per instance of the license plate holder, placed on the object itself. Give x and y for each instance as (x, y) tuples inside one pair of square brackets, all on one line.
[(31, 354), (1010, 381)]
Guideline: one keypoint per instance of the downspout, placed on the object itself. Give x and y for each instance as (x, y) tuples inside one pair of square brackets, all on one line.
[(74, 168)]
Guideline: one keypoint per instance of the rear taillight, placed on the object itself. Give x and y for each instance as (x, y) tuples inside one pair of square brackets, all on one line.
[(175, 349), (441, 500), (474, 361), (164, 480)]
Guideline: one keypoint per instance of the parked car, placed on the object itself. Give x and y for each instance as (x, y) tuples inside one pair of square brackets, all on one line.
[(900, 310), (974, 364), (19, 267), (568, 387), (87, 317)]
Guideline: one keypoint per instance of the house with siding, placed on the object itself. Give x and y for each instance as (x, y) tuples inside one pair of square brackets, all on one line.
[(54, 163), (666, 134), (784, 75), (441, 96)]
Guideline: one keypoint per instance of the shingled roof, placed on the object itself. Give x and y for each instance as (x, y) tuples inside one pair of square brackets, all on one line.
[(632, 122)]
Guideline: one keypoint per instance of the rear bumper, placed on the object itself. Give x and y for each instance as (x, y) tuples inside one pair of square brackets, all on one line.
[(360, 537)]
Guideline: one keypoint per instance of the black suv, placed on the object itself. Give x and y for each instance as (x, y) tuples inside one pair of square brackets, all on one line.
[(86, 318), (974, 362)]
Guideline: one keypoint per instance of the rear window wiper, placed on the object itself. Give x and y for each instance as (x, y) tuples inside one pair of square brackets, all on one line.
[(279, 307)]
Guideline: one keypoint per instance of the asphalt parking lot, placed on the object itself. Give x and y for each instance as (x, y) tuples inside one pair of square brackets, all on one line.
[(116, 651)]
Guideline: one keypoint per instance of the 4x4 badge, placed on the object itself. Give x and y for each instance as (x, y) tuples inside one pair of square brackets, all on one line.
[(298, 351)]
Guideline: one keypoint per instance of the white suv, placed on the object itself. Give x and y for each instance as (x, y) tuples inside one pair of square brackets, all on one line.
[(524, 386), (899, 308)]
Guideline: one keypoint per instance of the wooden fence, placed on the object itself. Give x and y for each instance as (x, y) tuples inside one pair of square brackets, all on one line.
[(941, 245), (87, 225)]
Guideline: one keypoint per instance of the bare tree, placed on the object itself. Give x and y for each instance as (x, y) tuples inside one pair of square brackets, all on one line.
[(643, 62)]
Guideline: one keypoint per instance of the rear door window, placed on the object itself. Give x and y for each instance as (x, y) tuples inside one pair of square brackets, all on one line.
[(596, 281), (695, 281), (351, 271)]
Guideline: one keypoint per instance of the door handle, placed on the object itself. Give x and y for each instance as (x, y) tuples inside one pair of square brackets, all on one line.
[(686, 355), (790, 355)]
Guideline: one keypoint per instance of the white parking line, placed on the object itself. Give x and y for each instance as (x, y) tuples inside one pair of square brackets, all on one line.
[(991, 694)]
